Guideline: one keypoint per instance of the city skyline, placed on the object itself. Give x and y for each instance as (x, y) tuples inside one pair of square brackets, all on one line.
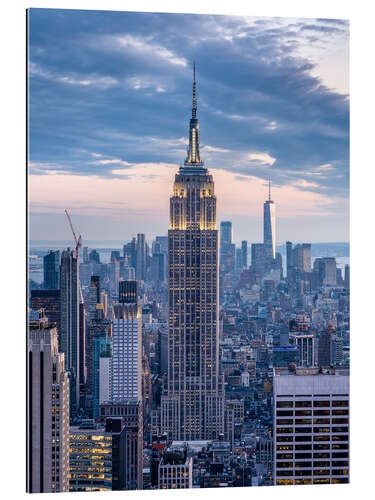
[(130, 73), (179, 361)]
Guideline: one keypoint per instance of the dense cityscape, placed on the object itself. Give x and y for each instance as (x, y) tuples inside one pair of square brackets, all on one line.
[(188, 361)]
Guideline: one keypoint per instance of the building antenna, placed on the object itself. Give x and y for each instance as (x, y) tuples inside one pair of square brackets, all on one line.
[(194, 113), (269, 188)]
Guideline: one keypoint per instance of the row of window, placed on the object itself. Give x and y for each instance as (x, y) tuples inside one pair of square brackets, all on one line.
[(327, 480), (309, 413), (301, 421), (307, 404), (315, 472)]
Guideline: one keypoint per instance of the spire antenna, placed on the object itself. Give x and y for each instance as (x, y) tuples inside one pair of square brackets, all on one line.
[(269, 188), (194, 112)]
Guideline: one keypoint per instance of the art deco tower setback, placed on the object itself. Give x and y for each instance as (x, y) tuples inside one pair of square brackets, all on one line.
[(193, 406)]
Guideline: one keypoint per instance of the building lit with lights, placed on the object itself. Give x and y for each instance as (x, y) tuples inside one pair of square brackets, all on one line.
[(97, 457), (311, 426), (193, 406)]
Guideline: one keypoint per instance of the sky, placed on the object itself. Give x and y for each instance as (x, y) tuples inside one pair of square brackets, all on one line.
[(109, 110)]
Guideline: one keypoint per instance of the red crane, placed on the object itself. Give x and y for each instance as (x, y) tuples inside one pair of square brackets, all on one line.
[(78, 240)]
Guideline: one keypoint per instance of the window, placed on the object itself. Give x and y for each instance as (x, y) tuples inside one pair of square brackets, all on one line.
[(303, 447), (321, 412), (321, 472), (321, 446), (303, 455), (321, 421)]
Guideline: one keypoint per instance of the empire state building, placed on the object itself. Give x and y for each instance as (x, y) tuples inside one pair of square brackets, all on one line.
[(192, 407)]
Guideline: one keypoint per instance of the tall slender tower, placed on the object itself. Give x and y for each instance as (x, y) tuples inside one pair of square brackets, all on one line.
[(192, 408), (69, 322), (269, 237)]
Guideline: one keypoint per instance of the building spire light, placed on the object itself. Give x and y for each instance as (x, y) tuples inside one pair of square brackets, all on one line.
[(193, 155)]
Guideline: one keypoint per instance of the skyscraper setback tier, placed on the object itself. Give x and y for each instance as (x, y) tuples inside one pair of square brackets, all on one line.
[(193, 406)]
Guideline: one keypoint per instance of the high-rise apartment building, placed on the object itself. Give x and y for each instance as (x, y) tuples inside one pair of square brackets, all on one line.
[(311, 426), (289, 250), (301, 257), (99, 330), (244, 254), (193, 406), (51, 263), (93, 297), (69, 322), (227, 248), (127, 345), (82, 344), (85, 255), (324, 349), (269, 227), (140, 269), (326, 268), (47, 408), (258, 263)]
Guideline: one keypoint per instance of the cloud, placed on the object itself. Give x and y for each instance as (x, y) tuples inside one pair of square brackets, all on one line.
[(113, 89), (143, 46), (215, 149), (261, 158)]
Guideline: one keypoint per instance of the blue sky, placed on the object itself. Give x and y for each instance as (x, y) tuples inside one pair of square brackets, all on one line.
[(110, 100)]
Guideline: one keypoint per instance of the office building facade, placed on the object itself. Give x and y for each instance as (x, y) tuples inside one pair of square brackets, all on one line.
[(311, 427), (47, 408)]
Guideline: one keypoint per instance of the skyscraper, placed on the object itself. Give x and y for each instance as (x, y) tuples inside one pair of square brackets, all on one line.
[(269, 228), (244, 254), (48, 409), (289, 250), (127, 345), (51, 263), (193, 406), (227, 248), (93, 297), (69, 322), (140, 270), (311, 426)]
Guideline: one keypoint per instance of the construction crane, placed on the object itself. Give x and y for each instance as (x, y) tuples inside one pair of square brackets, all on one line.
[(78, 240)]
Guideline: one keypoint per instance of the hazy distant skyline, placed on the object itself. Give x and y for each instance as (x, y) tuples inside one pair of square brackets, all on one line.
[(110, 101)]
